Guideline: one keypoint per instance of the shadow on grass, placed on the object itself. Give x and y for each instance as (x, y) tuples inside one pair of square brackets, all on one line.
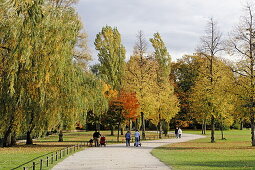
[(205, 148), (52, 141), (222, 164), (41, 156), (45, 146)]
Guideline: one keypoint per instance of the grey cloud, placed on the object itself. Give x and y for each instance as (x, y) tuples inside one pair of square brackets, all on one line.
[(180, 23)]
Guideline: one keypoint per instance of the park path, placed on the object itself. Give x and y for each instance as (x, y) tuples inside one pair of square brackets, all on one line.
[(118, 156)]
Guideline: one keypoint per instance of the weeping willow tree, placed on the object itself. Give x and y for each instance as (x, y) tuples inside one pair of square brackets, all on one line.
[(21, 19), (43, 79)]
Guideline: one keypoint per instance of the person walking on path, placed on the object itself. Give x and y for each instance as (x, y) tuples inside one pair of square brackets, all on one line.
[(176, 132), (128, 137), (96, 137), (180, 132), (137, 138)]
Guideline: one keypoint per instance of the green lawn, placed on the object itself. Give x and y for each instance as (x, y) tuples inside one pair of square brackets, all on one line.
[(19, 155), (13, 157), (234, 153)]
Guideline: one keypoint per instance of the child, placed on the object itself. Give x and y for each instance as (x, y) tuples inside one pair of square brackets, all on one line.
[(91, 142)]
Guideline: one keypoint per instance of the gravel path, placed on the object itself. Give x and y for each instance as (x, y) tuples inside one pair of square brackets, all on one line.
[(118, 156)]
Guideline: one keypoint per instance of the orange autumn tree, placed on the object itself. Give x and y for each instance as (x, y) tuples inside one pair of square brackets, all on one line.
[(130, 106), (123, 108)]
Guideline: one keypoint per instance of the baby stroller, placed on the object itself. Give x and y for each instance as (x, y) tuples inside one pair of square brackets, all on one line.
[(138, 143), (102, 141)]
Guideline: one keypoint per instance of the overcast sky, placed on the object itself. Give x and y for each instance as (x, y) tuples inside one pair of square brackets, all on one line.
[(180, 22)]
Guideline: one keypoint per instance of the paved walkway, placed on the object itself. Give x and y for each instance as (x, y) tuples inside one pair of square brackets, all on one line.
[(118, 156)]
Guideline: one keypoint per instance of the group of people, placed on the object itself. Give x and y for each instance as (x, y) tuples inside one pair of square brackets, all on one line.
[(137, 138), (178, 132), (96, 137), (128, 137)]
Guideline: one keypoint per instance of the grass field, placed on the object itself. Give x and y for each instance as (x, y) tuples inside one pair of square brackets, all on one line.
[(21, 154), (234, 153)]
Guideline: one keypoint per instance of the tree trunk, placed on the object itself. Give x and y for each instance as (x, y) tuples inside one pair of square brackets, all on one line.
[(118, 137), (121, 131), (60, 136), (143, 125), (136, 124), (29, 138), (212, 129), (157, 131), (252, 129), (87, 127), (167, 128), (97, 126), (160, 127), (222, 135), (130, 125), (222, 129), (112, 132), (13, 139), (7, 141), (241, 125), (203, 128), (7, 138)]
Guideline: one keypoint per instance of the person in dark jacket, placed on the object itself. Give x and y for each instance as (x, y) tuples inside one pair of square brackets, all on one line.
[(176, 132), (128, 137), (96, 137)]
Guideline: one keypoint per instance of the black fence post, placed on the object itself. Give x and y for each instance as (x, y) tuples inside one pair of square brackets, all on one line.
[(52, 158), (33, 166), (41, 164), (62, 153), (47, 162)]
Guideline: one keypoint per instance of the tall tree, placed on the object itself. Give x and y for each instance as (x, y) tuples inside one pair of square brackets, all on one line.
[(220, 100), (184, 73), (211, 44), (17, 59), (111, 55), (241, 43), (139, 78), (167, 102), (140, 50)]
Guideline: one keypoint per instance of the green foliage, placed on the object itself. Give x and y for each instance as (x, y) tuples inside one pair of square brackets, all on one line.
[(215, 98), (167, 104), (162, 57), (44, 82), (140, 78), (111, 55), (184, 73)]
